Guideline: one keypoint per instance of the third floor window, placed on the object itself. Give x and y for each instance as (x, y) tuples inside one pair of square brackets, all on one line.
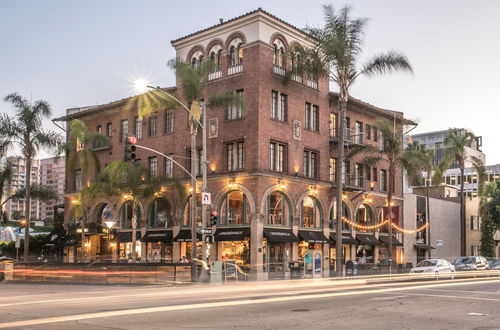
[(123, 130), (169, 121), (234, 111), (277, 157), (234, 156), (279, 106), (138, 127), (152, 124), (310, 164), (311, 117)]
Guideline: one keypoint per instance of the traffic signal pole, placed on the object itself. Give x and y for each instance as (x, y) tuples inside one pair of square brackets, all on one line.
[(204, 275)]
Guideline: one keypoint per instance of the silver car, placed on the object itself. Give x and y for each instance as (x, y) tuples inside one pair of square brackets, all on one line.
[(436, 268), (471, 263)]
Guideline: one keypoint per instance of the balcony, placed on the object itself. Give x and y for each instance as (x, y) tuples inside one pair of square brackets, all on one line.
[(312, 84), (279, 70), (351, 137), (297, 78), (354, 182), (235, 69), (100, 145), (214, 75)]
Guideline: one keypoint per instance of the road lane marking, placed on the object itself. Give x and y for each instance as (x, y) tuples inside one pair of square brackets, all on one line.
[(78, 317), (449, 296)]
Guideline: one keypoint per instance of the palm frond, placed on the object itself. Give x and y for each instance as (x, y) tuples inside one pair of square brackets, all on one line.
[(386, 63), (225, 99)]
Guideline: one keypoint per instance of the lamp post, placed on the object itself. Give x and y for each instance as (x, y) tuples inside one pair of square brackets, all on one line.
[(194, 130)]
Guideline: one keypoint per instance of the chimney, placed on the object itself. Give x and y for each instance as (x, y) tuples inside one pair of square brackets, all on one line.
[(221, 20)]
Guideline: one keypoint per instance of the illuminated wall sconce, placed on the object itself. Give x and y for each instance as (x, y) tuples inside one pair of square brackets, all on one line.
[(212, 168), (281, 185), (87, 245), (344, 196), (232, 184), (313, 190), (190, 189), (296, 170), (112, 244), (372, 185), (368, 200), (127, 197)]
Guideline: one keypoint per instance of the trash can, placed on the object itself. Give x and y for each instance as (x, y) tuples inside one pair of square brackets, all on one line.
[(296, 270), (351, 268)]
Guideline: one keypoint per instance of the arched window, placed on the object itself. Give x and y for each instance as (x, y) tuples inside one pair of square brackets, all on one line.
[(278, 209), (364, 216), (333, 216), (74, 217), (104, 214), (186, 214), (160, 214), (194, 63), (232, 60), (234, 209), (126, 216), (215, 57), (311, 213)]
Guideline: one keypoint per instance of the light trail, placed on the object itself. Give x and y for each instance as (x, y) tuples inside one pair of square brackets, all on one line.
[(77, 317)]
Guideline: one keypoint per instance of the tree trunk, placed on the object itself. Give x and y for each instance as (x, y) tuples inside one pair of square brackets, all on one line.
[(463, 241), (134, 232), (194, 241), (389, 208), (27, 208), (338, 175), (84, 221), (428, 212)]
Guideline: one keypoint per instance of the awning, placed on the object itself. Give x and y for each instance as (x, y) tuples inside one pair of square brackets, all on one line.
[(312, 236), (185, 236), (346, 238), (72, 240), (367, 239), (385, 239), (280, 235), (424, 246), (126, 236), (165, 236), (232, 234)]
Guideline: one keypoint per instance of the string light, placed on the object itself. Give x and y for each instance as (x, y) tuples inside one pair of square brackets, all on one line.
[(381, 224), (419, 229)]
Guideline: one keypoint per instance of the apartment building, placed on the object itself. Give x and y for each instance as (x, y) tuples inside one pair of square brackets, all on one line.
[(271, 164)]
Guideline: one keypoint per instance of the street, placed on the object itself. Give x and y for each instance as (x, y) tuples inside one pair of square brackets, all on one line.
[(470, 303)]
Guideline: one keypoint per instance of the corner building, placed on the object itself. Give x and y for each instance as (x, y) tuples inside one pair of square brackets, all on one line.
[(271, 168)]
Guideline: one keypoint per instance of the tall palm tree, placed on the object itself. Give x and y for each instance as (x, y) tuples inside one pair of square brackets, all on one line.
[(5, 181), (191, 80), (456, 143), (420, 161), (79, 149), (25, 129), (334, 54), (393, 155)]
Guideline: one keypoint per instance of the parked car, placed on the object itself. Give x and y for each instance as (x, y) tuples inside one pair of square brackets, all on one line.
[(436, 268), (471, 263), (494, 264)]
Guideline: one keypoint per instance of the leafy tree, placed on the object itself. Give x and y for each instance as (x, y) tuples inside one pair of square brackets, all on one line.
[(25, 129), (490, 215), (335, 53), (456, 143)]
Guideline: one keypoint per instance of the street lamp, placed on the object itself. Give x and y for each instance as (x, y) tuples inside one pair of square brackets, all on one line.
[(110, 224), (142, 85)]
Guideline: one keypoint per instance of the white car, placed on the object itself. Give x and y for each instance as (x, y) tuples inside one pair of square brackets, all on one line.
[(436, 268)]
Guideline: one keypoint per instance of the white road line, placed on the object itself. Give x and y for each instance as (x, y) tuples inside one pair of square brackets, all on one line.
[(86, 316), (448, 296), (466, 291)]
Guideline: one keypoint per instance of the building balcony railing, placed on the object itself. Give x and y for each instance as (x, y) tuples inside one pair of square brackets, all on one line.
[(297, 78), (214, 75), (100, 145), (279, 70), (235, 69), (312, 84)]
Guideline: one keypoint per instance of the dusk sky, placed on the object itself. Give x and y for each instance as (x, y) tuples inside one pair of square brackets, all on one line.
[(79, 53)]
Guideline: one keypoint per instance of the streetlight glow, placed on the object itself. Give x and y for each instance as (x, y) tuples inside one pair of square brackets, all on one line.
[(141, 85)]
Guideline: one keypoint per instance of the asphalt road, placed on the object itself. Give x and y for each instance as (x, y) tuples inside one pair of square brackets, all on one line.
[(472, 303)]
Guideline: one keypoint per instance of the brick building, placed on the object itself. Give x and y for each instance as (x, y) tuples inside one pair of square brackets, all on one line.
[(271, 164)]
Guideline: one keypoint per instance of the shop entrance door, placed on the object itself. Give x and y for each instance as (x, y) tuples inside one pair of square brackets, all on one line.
[(277, 261)]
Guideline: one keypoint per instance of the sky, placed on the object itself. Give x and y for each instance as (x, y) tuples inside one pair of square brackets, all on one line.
[(80, 53)]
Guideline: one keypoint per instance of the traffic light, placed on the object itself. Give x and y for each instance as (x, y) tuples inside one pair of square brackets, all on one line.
[(213, 218), (130, 147)]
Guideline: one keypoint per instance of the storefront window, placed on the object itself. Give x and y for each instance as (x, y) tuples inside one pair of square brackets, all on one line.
[(126, 216), (126, 251), (237, 250), (345, 213), (234, 209), (159, 252), (160, 214), (311, 213), (364, 216), (278, 209), (186, 215), (364, 254)]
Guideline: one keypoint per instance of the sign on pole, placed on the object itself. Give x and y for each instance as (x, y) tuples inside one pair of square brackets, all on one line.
[(206, 198)]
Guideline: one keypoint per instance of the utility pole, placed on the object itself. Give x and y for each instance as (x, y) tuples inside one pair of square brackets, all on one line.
[(204, 275), (339, 177), (194, 241)]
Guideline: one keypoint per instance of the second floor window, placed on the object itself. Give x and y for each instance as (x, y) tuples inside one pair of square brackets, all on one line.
[(383, 180), (152, 124), (233, 111), (169, 121), (109, 130), (123, 130), (153, 167), (234, 156), (277, 157), (78, 179), (169, 167), (138, 127), (333, 169), (311, 117), (310, 164), (279, 106)]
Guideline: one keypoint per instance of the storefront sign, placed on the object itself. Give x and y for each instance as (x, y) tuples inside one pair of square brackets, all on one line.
[(206, 198)]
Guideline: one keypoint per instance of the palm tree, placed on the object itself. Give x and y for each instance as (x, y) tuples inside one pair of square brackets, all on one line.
[(79, 149), (191, 80), (393, 155), (5, 180), (25, 129), (456, 142), (132, 183), (334, 54), (420, 161)]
